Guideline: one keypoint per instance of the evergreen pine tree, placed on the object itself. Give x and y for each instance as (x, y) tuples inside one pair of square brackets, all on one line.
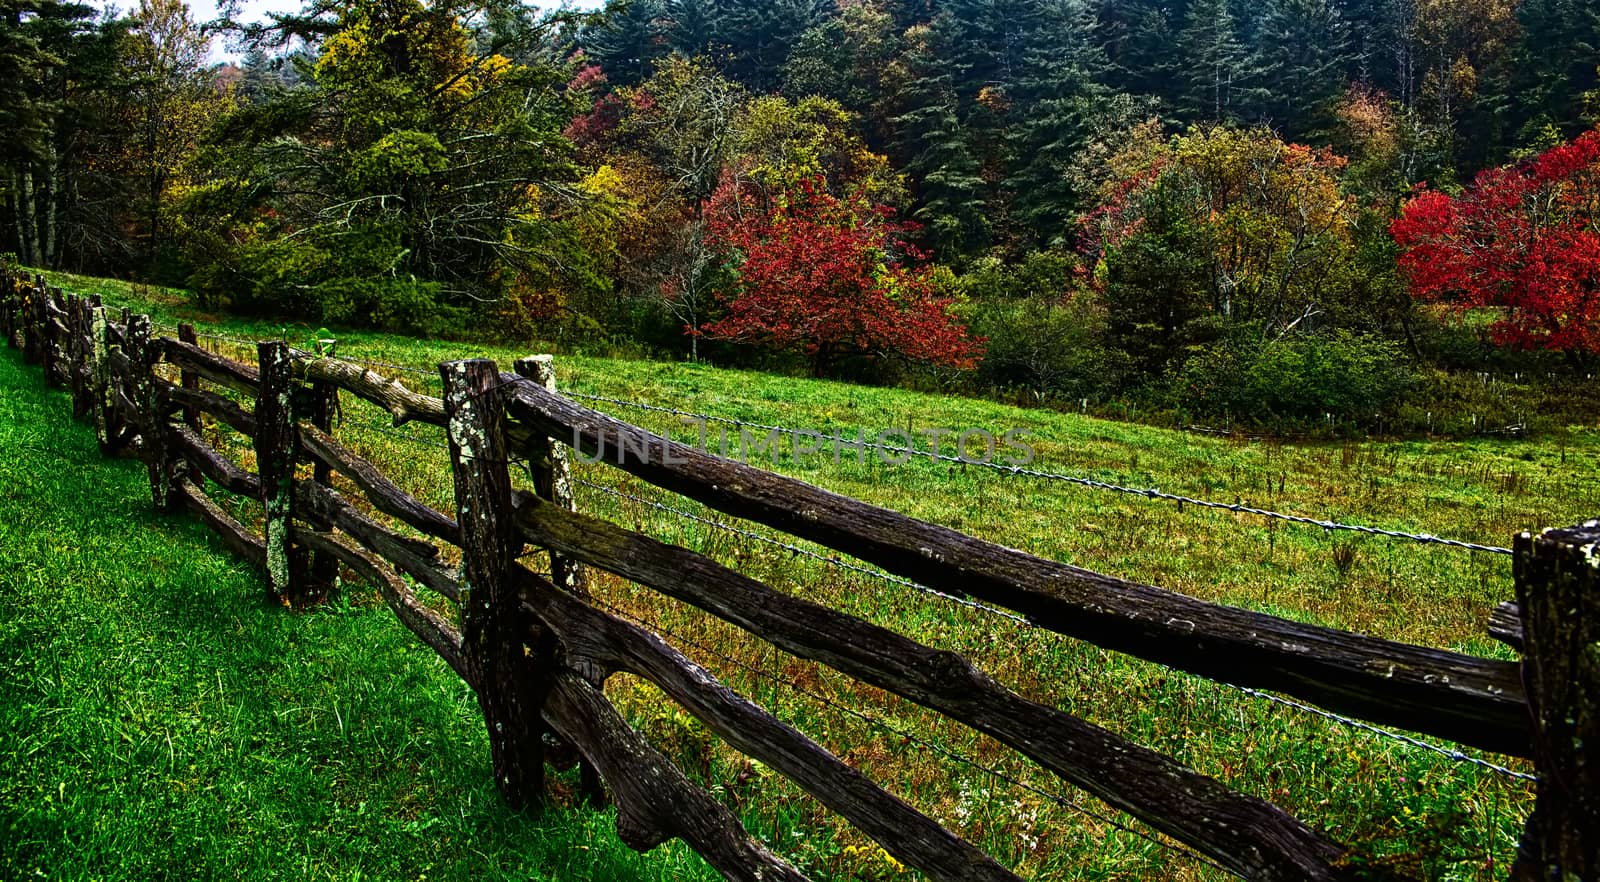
[(629, 41), (758, 35), (1138, 38), (934, 145), (689, 25), (1061, 89), (1554, 67), (1302, 52), (1216, 79)]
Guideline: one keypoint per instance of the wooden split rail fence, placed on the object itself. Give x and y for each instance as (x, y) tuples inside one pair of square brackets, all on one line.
[(537, 651)]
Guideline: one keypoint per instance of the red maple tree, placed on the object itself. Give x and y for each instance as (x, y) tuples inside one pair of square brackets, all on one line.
[(1524, 239), (831, 278)]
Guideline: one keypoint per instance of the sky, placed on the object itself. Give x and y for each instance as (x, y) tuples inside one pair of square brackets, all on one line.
[(255, 10)]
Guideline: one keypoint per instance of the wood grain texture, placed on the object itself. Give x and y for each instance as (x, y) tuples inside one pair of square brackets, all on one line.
[(225, 411), (239, 377), (275, 449), (205, 460), (609, 643), (1558, 591), (505, 647), (403, 404), (1505, 624), (655, 801)]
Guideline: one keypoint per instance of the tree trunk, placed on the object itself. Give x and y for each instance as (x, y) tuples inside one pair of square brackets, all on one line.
[(29, 219), (52, 205)]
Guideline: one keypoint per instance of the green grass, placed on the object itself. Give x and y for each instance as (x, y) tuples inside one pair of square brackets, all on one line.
[(1415, 808), (164, 721)]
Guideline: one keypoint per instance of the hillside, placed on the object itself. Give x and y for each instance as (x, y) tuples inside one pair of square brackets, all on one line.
[(1364, 788)]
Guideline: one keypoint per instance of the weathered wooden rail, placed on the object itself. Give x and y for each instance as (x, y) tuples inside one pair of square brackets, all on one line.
[(537, 651)]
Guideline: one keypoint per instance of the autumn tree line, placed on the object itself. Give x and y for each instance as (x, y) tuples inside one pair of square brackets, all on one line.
[(1295, 213)]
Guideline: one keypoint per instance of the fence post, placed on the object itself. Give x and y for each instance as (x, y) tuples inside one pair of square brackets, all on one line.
[(1558, 588), (502, 646), (322, 408), (189, 379), (552, 475), (99, 376), (49, 341), (32, 310), (77, 332), (552, 480), (142, 356), (8, 293), (275, 449)]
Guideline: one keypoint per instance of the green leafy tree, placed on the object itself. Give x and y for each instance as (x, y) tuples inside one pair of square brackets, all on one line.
[(415, 181), (1233, 227)]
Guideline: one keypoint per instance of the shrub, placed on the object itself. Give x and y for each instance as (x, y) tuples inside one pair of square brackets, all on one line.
[(1294, 380), (1054, 348)]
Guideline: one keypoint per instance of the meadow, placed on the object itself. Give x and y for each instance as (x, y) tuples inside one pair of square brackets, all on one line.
[(255, 764)]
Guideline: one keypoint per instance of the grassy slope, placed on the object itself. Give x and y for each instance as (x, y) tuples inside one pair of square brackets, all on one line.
[(1362, 789), (163, 720)]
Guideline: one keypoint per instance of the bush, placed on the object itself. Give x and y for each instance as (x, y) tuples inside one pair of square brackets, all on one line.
[(1054, 348), (1295, 380)]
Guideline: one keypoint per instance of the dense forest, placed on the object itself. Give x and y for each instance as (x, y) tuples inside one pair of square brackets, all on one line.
[(1292, 213)]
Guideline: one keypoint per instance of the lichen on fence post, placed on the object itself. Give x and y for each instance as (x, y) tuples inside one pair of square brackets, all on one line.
[(552, 475), (8, 315), (275, 449), (99, 379), (322, 407), (504, 647), (1558, 589), (142, 357)]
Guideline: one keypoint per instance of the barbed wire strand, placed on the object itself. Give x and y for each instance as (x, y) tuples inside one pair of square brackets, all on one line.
[(1023, 471), (1455, 756), (910, 738)]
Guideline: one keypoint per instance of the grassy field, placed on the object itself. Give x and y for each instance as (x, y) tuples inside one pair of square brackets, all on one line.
[(1425, 814), (164, 721)]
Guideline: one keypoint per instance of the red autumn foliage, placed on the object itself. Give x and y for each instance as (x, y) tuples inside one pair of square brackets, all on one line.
[(1524, 239), (829, 277)]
